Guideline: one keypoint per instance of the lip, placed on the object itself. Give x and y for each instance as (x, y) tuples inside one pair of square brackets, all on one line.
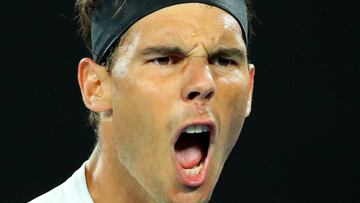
[(198, 180)]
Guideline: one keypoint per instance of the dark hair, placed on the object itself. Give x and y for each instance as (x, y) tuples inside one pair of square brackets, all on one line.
[(84, 9)]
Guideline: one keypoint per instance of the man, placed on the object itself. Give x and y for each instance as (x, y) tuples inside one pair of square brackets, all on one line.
[(168, 87)]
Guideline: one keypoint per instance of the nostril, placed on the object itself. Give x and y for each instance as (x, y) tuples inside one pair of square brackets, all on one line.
[(208, 96), (192, 95)]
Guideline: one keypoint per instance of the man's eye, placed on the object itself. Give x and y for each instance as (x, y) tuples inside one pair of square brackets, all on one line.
[(219, 61), (166, 60)]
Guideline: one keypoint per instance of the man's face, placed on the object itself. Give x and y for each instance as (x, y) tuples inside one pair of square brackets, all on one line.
[(180, 67)]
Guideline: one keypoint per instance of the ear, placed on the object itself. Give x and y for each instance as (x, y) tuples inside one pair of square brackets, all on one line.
[(251, 88), (94, 81)]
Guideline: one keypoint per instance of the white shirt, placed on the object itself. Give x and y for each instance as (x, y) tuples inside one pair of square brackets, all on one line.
[(73, 190)]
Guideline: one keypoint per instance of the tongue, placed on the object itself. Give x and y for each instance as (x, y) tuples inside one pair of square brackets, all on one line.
[(189, 155)]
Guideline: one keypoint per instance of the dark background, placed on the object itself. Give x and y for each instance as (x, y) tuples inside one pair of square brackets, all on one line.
[(301, 143)]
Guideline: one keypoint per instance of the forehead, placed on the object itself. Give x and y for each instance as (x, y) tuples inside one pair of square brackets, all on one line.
[(189, 23)]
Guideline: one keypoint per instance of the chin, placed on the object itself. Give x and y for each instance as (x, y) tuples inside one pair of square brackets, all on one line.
[(184, 193), (191, 197)]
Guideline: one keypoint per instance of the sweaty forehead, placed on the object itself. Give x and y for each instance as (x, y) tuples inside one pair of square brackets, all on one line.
[(190, 22), (198, 14)]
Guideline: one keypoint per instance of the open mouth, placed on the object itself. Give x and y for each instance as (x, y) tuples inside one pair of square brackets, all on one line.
[(192, 153)]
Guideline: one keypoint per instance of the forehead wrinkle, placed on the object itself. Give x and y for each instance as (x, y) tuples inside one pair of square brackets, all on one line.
[(184, 34), (198, 51), (193, 38), (231, 23), (163, 38), (228, 37)]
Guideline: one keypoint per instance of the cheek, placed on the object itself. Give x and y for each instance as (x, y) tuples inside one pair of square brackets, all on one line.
[(140, 115), (232, 101), (232, 95), (133, 112), (141, 107)]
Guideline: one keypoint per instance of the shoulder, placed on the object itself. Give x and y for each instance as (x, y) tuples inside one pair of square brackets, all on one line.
[(53, 196), (73, 190)]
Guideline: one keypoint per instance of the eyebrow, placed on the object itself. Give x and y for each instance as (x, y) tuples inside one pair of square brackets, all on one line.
[(228, 52), (221, 52), (163, 50)]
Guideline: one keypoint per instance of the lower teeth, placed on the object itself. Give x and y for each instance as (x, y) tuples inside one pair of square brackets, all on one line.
[(194, 171)]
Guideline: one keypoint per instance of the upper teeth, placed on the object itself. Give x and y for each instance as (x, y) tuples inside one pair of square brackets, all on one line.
[(196, 129)]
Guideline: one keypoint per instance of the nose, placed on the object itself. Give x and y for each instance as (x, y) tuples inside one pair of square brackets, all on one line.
[(198, 82)]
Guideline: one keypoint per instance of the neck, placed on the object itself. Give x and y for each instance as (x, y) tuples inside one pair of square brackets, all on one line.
[(107, 179)]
